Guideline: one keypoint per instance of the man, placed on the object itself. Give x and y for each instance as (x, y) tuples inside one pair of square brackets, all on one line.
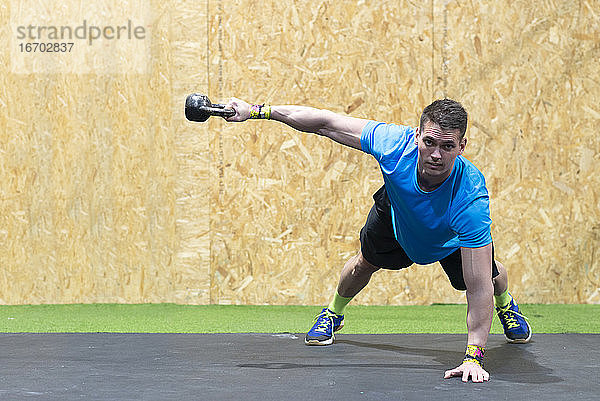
[(434, 206)]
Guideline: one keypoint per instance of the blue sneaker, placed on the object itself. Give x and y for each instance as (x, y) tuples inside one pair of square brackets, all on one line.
[(516, 327), (326, 323)]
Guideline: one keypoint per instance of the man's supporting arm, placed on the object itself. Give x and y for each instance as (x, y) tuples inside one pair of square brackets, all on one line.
[(477, 272)]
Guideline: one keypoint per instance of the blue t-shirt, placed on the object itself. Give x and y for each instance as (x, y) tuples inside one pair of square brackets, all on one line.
[(428, 225)]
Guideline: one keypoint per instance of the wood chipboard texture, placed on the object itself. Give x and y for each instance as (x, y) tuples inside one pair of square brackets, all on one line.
[(109, 195)]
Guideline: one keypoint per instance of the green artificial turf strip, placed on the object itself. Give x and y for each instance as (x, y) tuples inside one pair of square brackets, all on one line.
[(171, 318)]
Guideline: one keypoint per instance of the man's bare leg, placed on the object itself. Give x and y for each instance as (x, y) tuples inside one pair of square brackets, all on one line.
[(355, 275), (516, 328), (501, 280)]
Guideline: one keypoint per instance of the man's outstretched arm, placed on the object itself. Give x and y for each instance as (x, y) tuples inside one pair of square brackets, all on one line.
[(342, 129), (477, 272)]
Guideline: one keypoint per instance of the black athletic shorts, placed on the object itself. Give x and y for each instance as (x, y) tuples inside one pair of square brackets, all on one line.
[(379, 246)]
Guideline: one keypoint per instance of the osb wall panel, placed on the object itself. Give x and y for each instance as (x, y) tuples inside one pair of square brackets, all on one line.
[(87, 182), (188, 73), (109, 195)]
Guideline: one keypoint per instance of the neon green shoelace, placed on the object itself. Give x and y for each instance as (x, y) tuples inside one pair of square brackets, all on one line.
[(325, 321), (510, 317)]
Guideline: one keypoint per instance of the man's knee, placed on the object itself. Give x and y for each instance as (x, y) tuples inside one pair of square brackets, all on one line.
[(362, 267)]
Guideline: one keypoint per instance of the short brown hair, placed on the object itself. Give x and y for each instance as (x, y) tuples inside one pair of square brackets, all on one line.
[(448, 114)]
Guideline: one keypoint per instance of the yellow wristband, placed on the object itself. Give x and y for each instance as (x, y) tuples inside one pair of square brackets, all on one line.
[(474, 354), (472, 360), (260, 112)]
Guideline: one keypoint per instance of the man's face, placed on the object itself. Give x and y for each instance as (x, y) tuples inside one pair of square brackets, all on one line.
[(437, 151)]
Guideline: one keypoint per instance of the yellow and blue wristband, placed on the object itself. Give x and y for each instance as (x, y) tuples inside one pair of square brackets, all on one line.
[(474, 354), (260, 112)]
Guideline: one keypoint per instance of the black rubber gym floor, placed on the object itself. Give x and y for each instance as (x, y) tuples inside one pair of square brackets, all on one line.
[(106, 366)]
